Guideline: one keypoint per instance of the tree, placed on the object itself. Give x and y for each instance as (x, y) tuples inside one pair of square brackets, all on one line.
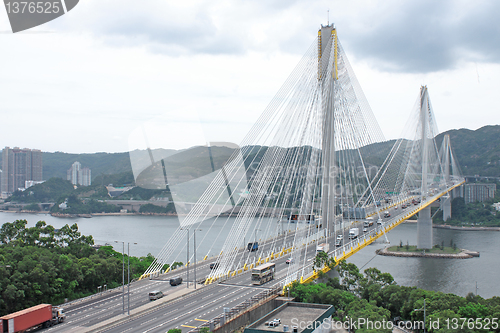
[(360, 310), (41, 265), (322, 259), (350, 276), (33, 207), (473, 310), (174, 330)]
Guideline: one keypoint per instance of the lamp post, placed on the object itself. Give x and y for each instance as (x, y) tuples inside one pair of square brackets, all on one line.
[(256, 235), (128, 279), (194, 240), (123, 274), (187, 255)]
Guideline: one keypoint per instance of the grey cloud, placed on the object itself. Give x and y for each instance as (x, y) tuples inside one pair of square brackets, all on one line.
[(428, 36), (198, 36)]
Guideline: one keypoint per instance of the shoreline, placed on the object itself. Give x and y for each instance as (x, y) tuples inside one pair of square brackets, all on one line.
[(457, 227), (464, 254), (62, 215)]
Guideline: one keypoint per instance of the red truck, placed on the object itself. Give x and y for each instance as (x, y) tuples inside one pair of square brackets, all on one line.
[(44, 315)]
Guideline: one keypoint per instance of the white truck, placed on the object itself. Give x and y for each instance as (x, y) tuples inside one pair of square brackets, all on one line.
[(353, 233), (325, 247)]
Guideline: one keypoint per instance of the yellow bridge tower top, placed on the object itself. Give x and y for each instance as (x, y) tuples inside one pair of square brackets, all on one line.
[(326, 35)]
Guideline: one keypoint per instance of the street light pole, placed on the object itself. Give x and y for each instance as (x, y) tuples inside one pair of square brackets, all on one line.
[(123, 275), (194, 239), (187, 260), (128, 279), (194, 248)]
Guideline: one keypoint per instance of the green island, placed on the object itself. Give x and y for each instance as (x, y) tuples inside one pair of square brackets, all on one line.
[(42, 264), (440, 249)]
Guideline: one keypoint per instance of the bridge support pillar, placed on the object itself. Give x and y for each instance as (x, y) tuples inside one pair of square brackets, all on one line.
[(424, 229), (446, 207)]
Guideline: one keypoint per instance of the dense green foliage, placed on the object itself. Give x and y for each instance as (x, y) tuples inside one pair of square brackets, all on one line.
[(84, 199), (477, 152), (77, 206), (374, 296), (49, 191), (150, 208), (174, 330), (56, 164), (119, 179), (139, 193), (33, 207), (474, 213), (45, 265)]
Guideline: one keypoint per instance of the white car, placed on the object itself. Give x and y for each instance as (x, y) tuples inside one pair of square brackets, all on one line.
[(365, 229), (340, 237), (289, 261)]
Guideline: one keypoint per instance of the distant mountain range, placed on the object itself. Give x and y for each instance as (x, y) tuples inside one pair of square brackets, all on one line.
[(477, 152)]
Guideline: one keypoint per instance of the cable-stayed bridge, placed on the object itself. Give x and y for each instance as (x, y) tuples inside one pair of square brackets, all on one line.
[(306, 177), (314, 176)]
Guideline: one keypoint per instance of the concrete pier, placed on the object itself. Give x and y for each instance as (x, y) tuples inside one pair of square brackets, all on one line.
[(424, 229), (446, 207)]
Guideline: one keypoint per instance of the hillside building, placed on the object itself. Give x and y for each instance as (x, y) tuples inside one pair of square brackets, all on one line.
[(18, 166), (479, 192), (78, 175)]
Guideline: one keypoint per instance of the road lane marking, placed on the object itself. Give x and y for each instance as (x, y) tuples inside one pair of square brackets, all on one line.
[(201, 320), (188, 326)]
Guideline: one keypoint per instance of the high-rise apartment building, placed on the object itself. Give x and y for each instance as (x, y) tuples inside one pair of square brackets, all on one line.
[(85, 177), (19, 166), (78, 175), (72, 173), (479, 192)]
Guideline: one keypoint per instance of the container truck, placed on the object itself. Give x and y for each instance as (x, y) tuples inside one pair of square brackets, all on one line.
[(43, 315), (325, 247), (353, 233)]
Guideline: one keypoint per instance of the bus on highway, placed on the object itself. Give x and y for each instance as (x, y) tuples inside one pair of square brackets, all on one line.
[(263, 273)]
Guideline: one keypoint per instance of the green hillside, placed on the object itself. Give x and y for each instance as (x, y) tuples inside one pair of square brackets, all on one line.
[(56, 164), (477, 152)]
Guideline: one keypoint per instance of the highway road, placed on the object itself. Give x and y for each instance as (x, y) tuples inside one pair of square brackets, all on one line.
[(192, 309), (99, 308)]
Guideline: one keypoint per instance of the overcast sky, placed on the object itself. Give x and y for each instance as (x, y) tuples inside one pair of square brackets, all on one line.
[(85, 81)]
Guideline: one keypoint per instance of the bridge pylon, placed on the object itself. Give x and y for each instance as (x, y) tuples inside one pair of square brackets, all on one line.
[(446, 207)]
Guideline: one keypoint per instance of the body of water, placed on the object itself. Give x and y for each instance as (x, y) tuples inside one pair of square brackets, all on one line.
[(457, 276)]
